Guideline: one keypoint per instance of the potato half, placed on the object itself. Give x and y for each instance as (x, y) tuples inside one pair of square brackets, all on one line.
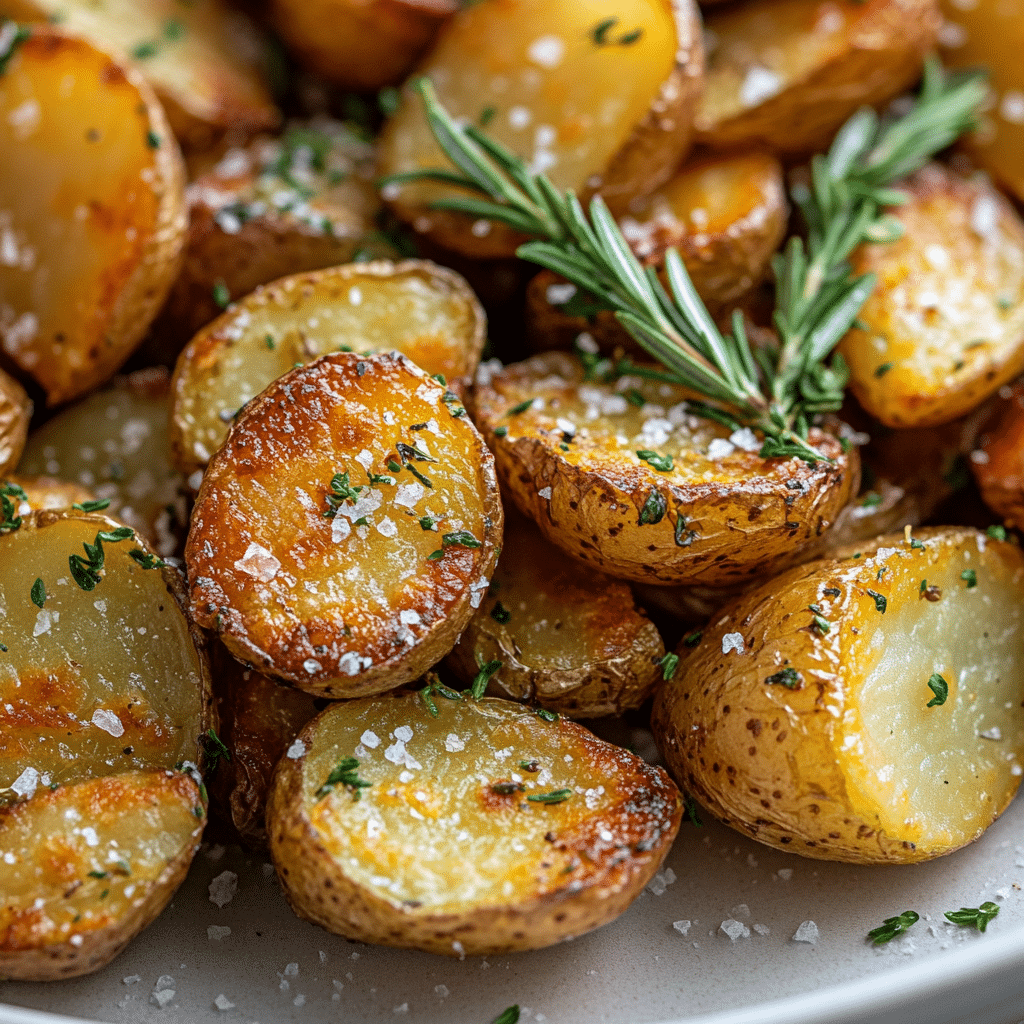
[(569, 638), (944, 327), (865, 708), (203, 60), (114, 443), (698, 506), (91, 196), (347, 528), (15, 413), (598, 96), (420, 309), (786, 74), (483, 830)]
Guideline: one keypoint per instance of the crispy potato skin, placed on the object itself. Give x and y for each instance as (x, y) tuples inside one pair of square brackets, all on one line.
[(574, 641), (291, 439), (369, 45), (476, 52), (826, 60), (15, 413), (43, 943), (572, 881), (723, 521), (782, 764), (998, 466), (935, 349), (426, 311), (74, 315)]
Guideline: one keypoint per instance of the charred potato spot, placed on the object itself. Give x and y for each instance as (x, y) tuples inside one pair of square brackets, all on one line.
[(415, 307), (569, 638), (347, 528), (529, 871), (945, 326), (95, 212), (859, 766), (716, 513)]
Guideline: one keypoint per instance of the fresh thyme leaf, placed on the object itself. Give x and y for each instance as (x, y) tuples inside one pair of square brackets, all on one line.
[(9, 522), (654, 508), (881, 371), (662, 463), (996, 532), (427, 523), (38, 593), (692, 639), (556, 796), (341, 491), (871, 500), (409, 452), (821, 624), (970, 577), (508, 1016), (91, 506), (892, 926), (521, 407), (344, 774), (506, 788), (501, 431), (548, 716), (940, 688), (86, 571), (461, 538), (500, 613), (668, 665), (787, 677), (973, 917), (419, 476), (483, 677), (213, 750), (880, 601), (221, 295), (3, 648), (146, 560), (690, 807)]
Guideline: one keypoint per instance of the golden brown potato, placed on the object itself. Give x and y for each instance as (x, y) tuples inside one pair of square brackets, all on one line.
[(786, 74), (944, 327), (347, 528), (598, 96), (75, 895), (568, 638), (203, 60), (283, 205), (91, 199), (38, 493), (481, 830), (15, 413), (998, 461), (415, 307), (370, 43), (114, 443), (864, 708), (259, 719), (988, 34), (699, 505)]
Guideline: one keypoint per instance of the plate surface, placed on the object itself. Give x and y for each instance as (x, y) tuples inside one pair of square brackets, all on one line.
[(641, 969)]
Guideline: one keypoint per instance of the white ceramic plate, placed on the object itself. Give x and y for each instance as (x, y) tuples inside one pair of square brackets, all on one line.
[(638, 970)]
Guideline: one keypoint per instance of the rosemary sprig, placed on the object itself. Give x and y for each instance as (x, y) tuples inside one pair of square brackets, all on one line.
[(776, 389)]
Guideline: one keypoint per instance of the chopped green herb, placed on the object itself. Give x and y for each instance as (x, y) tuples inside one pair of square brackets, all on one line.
[(268, 340), (388, 99), (880, 602), (654, 508), (508, 1016), (1004, 302), (506, 788), (530, 766), (940, 688), (501, 431), (892, 926), (341, 491), (461, 538), (427, 523), (996, 532), (174, 30), (634, 397), (3, 648), (395, 467), (143, 51), (556, 796), (436, 556), (21, 33), (668, 665), (917, 545), (881, 572), (548, 716), (881, 371), (486, 116), (871, 500), (9, 522), (419, 476), (970, 577), (409, 451), (213, 750), (434, 685), (483, 677), (692, 639), (787, 677), (832, 591), (378, 478), (690, 807), (152, 139), (500, 613), (344, 774), (38, 593), (683, 537), (221, 295), (146, 560), (820, 622), (973, 917), (91, 506), (924, 586), (521, 407), (600, 31), (662, 463)]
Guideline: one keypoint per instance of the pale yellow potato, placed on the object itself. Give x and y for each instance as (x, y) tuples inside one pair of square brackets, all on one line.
[(445, 850), (74, 895), (427, 312), (15, 413), (816, 736), (719, 515), (786, 74), (371, 43), (91, 196), (114, 443), (944, 327), (610, 117), (203, 59), (568, 638), (345, 592)]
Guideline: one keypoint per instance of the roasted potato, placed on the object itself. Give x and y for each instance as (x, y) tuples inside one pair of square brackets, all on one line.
[(477, 830), (114, 443), (420, 309), (91, 200), (865, 708), (944, 327), (371, 43), (345, 588), (283, 205), (988, 34), (622, 476), (104, 688), (998, 461), (566, 637), (15, 413), (598, 96), (786, 74), (203, 60), (38, 493)]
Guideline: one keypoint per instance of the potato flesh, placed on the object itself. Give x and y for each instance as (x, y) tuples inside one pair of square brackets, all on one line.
[(81, 198), (115, 444), (561, 102), (946, 320), (95, 682), (430, 828), (930, 773), (413, 311), (82, 857)]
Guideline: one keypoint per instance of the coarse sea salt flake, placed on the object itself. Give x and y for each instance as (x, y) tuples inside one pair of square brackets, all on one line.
[(547, 51), (259, 563), (454, 743), (296, 750), (734, 929), (683, 927), (223, 1003), (44, 620), (758, 85), (409, 617), (995, 733), (108, 721), (223, 888), (370, 739), (732, 642), (216, 932), (545, 492), (807, 932), (719, 448), (25, 784)]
